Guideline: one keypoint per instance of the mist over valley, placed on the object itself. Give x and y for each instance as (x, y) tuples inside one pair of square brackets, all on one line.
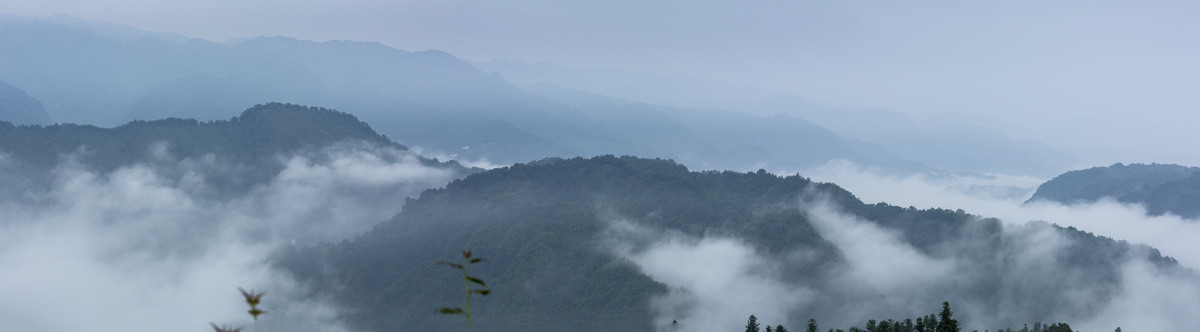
[(147, 177)]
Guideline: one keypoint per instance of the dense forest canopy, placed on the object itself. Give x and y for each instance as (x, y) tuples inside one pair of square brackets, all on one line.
[(447, 106)]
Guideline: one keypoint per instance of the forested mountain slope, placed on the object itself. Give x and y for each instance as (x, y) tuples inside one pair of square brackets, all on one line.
[(250, 145), (1161, 188), (621, 243)]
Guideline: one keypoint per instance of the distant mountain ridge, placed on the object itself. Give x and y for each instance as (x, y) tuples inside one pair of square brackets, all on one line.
[(953, 144), (431, 100), (18, 107), (428, 98), (1162, 188), (250, 143), (720, 139)]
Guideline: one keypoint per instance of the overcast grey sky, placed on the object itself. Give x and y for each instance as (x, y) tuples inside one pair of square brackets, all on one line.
[(1109, 81)]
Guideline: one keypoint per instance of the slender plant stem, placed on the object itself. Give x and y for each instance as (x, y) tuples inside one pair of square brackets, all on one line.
[(467, 289)]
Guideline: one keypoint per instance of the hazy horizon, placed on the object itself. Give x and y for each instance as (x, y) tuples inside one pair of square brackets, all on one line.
[(1105, 81)]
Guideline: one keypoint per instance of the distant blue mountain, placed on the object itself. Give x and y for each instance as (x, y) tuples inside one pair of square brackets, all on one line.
[(108, 75), (19, 108), (952, 145)]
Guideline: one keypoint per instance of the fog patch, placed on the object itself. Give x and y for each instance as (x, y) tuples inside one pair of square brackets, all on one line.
[(949, 191), (481, 162), (1150, 300), (878, 263), (340, 191), (155, 246), (714, 282), (1145, 298), (1173, 235)]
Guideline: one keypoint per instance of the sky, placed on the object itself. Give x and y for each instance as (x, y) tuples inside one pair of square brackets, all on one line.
[(1107, 81)]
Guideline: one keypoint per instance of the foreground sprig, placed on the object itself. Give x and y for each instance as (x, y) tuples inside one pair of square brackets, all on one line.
[(225, 328), (252, 299), (467, 280)]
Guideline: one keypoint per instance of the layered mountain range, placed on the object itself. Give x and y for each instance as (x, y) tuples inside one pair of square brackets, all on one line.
[(86, 73), (613, 243)]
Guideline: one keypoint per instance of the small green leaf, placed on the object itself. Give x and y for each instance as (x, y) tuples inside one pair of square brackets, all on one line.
[(252, 298), (450, 311), (476, 280), (481, 291), (256, 312), (477, 260), (225, 328), (457, 266)]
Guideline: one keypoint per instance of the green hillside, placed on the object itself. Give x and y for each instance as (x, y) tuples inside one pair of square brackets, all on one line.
[(260, 131), (543, 226), (1161, 188), (243, 151)]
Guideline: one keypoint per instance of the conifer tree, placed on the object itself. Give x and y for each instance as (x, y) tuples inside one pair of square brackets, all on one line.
[(946, 323), (1059, 327), (812, 325), (752, 324)]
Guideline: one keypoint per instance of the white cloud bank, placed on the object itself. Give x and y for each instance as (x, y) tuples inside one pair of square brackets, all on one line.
[(151, 247), (1002, 196), (716, 281), (1147, 299)]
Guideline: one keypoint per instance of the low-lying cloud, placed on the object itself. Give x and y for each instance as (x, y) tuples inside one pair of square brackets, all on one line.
[(716, 281), (1173, 235), (1146, 299), (877, 260), (155, 246)]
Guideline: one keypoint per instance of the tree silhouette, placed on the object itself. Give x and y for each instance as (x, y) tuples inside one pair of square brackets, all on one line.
[(946, 323), (1059, 327), (752, 324)]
